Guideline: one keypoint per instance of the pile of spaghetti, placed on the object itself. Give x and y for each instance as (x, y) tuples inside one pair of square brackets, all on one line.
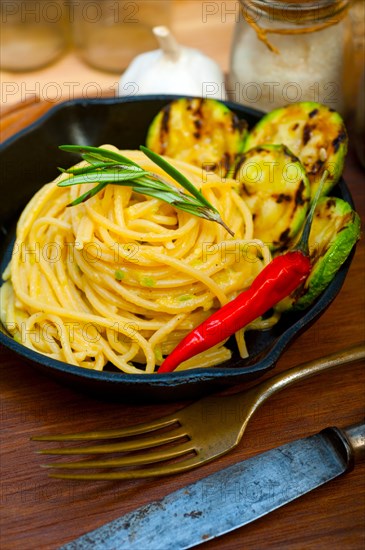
[(123, 277)]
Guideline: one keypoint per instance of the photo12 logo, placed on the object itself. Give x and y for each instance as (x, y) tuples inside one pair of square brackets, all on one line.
[(69, 11), (71, 252)]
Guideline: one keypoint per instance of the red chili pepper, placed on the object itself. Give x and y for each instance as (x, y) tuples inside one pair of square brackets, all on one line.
[(276, 281)]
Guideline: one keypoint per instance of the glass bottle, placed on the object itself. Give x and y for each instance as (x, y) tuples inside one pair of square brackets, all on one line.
[(108, 34), (33, 33), (289, 51)]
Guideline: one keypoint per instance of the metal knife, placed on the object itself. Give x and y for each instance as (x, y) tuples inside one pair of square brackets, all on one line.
[(232, 497)]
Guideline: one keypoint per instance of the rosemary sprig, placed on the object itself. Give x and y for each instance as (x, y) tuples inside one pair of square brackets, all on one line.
[(106, 167)]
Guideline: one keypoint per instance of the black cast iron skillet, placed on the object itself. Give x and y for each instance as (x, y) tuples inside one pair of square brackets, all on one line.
[(30, 159)]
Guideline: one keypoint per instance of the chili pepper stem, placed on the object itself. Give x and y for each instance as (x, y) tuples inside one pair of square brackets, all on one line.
[(303, 245)]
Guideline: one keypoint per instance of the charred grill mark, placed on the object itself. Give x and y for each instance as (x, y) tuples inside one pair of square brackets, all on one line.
[(313, 113), (225, 162), (238, 166), (210, 167), (299, 195), (330, 203), (198, 128), (347, 220), (239, 124), (316, 167), (164, 128), (307, 133), (246, 191), (289, 154), (340, 138), (165, 118), (282, 197), (198, 111), (284, 237), (326, 210), (197, 115)]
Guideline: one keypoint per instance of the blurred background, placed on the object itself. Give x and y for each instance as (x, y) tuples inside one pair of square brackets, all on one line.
[(55, 50), (83, 52)]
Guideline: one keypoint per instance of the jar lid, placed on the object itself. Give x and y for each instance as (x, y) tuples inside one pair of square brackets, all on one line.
[(298, 11), (291, 16)]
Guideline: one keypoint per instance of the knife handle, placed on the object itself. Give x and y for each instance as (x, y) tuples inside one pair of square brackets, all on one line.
[(349, 441)]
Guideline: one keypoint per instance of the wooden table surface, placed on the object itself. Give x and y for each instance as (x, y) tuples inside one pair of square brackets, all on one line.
[(43, 513)]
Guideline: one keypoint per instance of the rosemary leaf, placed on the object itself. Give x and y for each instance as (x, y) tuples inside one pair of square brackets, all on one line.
[(98, 153), (94, 161), (162, 195), (176, 175), (86, 196), (106, 176), (106, 167), (85, 169)]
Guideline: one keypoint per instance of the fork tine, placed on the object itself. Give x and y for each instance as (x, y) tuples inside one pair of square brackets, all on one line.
[(138, 473), (207, 443), (123, 446), (128, 431), (139, 460)]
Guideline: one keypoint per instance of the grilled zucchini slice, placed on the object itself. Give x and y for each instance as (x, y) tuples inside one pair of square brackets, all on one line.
[(277, 192), (202, 132), (334, 232), (315, 133)]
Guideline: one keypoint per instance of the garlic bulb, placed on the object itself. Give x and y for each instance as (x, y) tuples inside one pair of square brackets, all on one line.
[(173, 69)]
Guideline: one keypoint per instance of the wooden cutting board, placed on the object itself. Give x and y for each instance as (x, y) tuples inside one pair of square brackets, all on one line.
[(18, 116)]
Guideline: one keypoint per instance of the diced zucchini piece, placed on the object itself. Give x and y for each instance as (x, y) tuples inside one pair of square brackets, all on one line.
[(277, 192), (315, 133), (335, 230), (202, 132)]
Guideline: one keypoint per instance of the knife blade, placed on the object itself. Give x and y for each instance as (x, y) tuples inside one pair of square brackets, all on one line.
[(232, 497)]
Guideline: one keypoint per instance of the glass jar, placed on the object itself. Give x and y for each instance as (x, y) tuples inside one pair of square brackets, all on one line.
[(289, 51), (33, 33), (108, 34)]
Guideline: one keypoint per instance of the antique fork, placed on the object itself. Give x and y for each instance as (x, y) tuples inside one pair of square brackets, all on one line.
[(186, 439)]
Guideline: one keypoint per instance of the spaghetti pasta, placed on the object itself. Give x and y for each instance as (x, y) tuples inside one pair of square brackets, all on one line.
[(123, 277)]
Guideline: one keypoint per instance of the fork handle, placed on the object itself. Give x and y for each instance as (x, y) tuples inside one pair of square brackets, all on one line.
[(310, 368)]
